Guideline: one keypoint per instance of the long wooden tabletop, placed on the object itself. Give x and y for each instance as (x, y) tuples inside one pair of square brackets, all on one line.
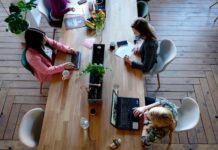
[(67, 100)]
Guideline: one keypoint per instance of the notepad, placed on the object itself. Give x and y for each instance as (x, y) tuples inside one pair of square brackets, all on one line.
[(125, 50)]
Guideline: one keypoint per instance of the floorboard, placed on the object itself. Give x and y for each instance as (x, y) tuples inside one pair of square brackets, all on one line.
[(194, 72)]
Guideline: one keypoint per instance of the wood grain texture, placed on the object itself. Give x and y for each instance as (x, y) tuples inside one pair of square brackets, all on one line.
[(189, 23), (67, 103)]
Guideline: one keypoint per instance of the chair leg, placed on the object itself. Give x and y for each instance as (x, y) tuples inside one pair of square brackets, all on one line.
[(213, 4), (54, 30), (158, 80), (149, 16), (41, 83), (215, 19)]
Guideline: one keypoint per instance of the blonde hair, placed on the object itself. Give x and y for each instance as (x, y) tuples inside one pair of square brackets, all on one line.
[(162, 118)]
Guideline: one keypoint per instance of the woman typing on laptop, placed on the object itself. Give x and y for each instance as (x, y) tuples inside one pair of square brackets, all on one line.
[(39, 61), (159, 119)]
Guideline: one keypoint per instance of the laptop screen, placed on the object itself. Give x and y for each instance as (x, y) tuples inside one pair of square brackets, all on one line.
[(114, 108)]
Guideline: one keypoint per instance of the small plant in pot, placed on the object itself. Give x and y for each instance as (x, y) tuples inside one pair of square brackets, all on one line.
[(16, 18), (97, 72)]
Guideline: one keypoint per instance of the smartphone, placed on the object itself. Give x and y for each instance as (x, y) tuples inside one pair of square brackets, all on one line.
[(122, 43), (82, 1)]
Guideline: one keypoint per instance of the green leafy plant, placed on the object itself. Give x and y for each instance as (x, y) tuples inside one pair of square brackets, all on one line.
[(96, 21), (99, 19), (17, 16), (97, 69)]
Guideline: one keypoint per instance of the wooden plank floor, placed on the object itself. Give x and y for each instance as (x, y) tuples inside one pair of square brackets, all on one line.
[(194, 73)]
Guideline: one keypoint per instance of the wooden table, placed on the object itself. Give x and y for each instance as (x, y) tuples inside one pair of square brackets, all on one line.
[(67, 100)]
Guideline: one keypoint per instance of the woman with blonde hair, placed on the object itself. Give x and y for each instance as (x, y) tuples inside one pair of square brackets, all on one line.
[(159, 119)]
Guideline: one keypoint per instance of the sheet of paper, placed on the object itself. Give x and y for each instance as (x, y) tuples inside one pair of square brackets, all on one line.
[(125, 50)]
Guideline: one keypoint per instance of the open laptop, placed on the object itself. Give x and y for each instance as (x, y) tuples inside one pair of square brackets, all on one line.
[(76, 59), (122, 114), (74, 19)]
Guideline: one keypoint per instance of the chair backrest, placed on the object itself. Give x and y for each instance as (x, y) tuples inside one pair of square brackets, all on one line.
[(142, 7), (188, 115), (24, 61), (167, 54), (44, 8), (30, 127)]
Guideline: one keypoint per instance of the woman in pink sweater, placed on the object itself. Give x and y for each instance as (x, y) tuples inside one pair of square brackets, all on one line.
[(40, 63)]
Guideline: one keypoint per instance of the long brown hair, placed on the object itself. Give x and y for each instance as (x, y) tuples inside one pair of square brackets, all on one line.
[(143, 27), (34, 39)]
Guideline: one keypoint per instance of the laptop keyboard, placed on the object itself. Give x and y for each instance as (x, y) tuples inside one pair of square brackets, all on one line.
[(75, 59), (124, 119)]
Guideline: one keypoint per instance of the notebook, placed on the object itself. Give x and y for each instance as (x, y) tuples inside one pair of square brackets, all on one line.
[(122, 114), (76, 59)]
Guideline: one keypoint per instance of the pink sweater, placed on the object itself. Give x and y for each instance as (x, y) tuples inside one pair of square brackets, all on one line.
[(43, 69)]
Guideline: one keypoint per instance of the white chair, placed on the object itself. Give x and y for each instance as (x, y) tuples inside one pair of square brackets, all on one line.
[(44, 8), (166, 55), (34, 16), (188, 115), (211, 7), (30, 127)]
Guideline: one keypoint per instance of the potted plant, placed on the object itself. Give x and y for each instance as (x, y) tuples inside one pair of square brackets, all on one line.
[(97, 72), (16, 18)]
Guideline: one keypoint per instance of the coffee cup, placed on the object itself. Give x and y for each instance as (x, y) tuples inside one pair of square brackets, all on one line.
[(112, 46)]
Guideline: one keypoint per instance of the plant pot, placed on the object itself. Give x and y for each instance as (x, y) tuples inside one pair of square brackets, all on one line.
[(95, 93), (98, 53)]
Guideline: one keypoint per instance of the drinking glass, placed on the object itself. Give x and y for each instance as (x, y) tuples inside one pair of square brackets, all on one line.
[(84, 123)]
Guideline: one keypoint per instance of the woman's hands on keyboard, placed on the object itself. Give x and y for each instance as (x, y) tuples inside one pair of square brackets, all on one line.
[(71, 50), (69, 65)]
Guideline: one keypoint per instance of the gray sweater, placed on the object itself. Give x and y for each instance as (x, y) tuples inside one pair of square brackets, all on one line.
[(148, 52)]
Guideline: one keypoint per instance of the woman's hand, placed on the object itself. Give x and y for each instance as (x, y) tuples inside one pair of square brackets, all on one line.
[(69, 65), (139, 111), (136, 50), (71, 50), (127, 60), (72, 9)]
